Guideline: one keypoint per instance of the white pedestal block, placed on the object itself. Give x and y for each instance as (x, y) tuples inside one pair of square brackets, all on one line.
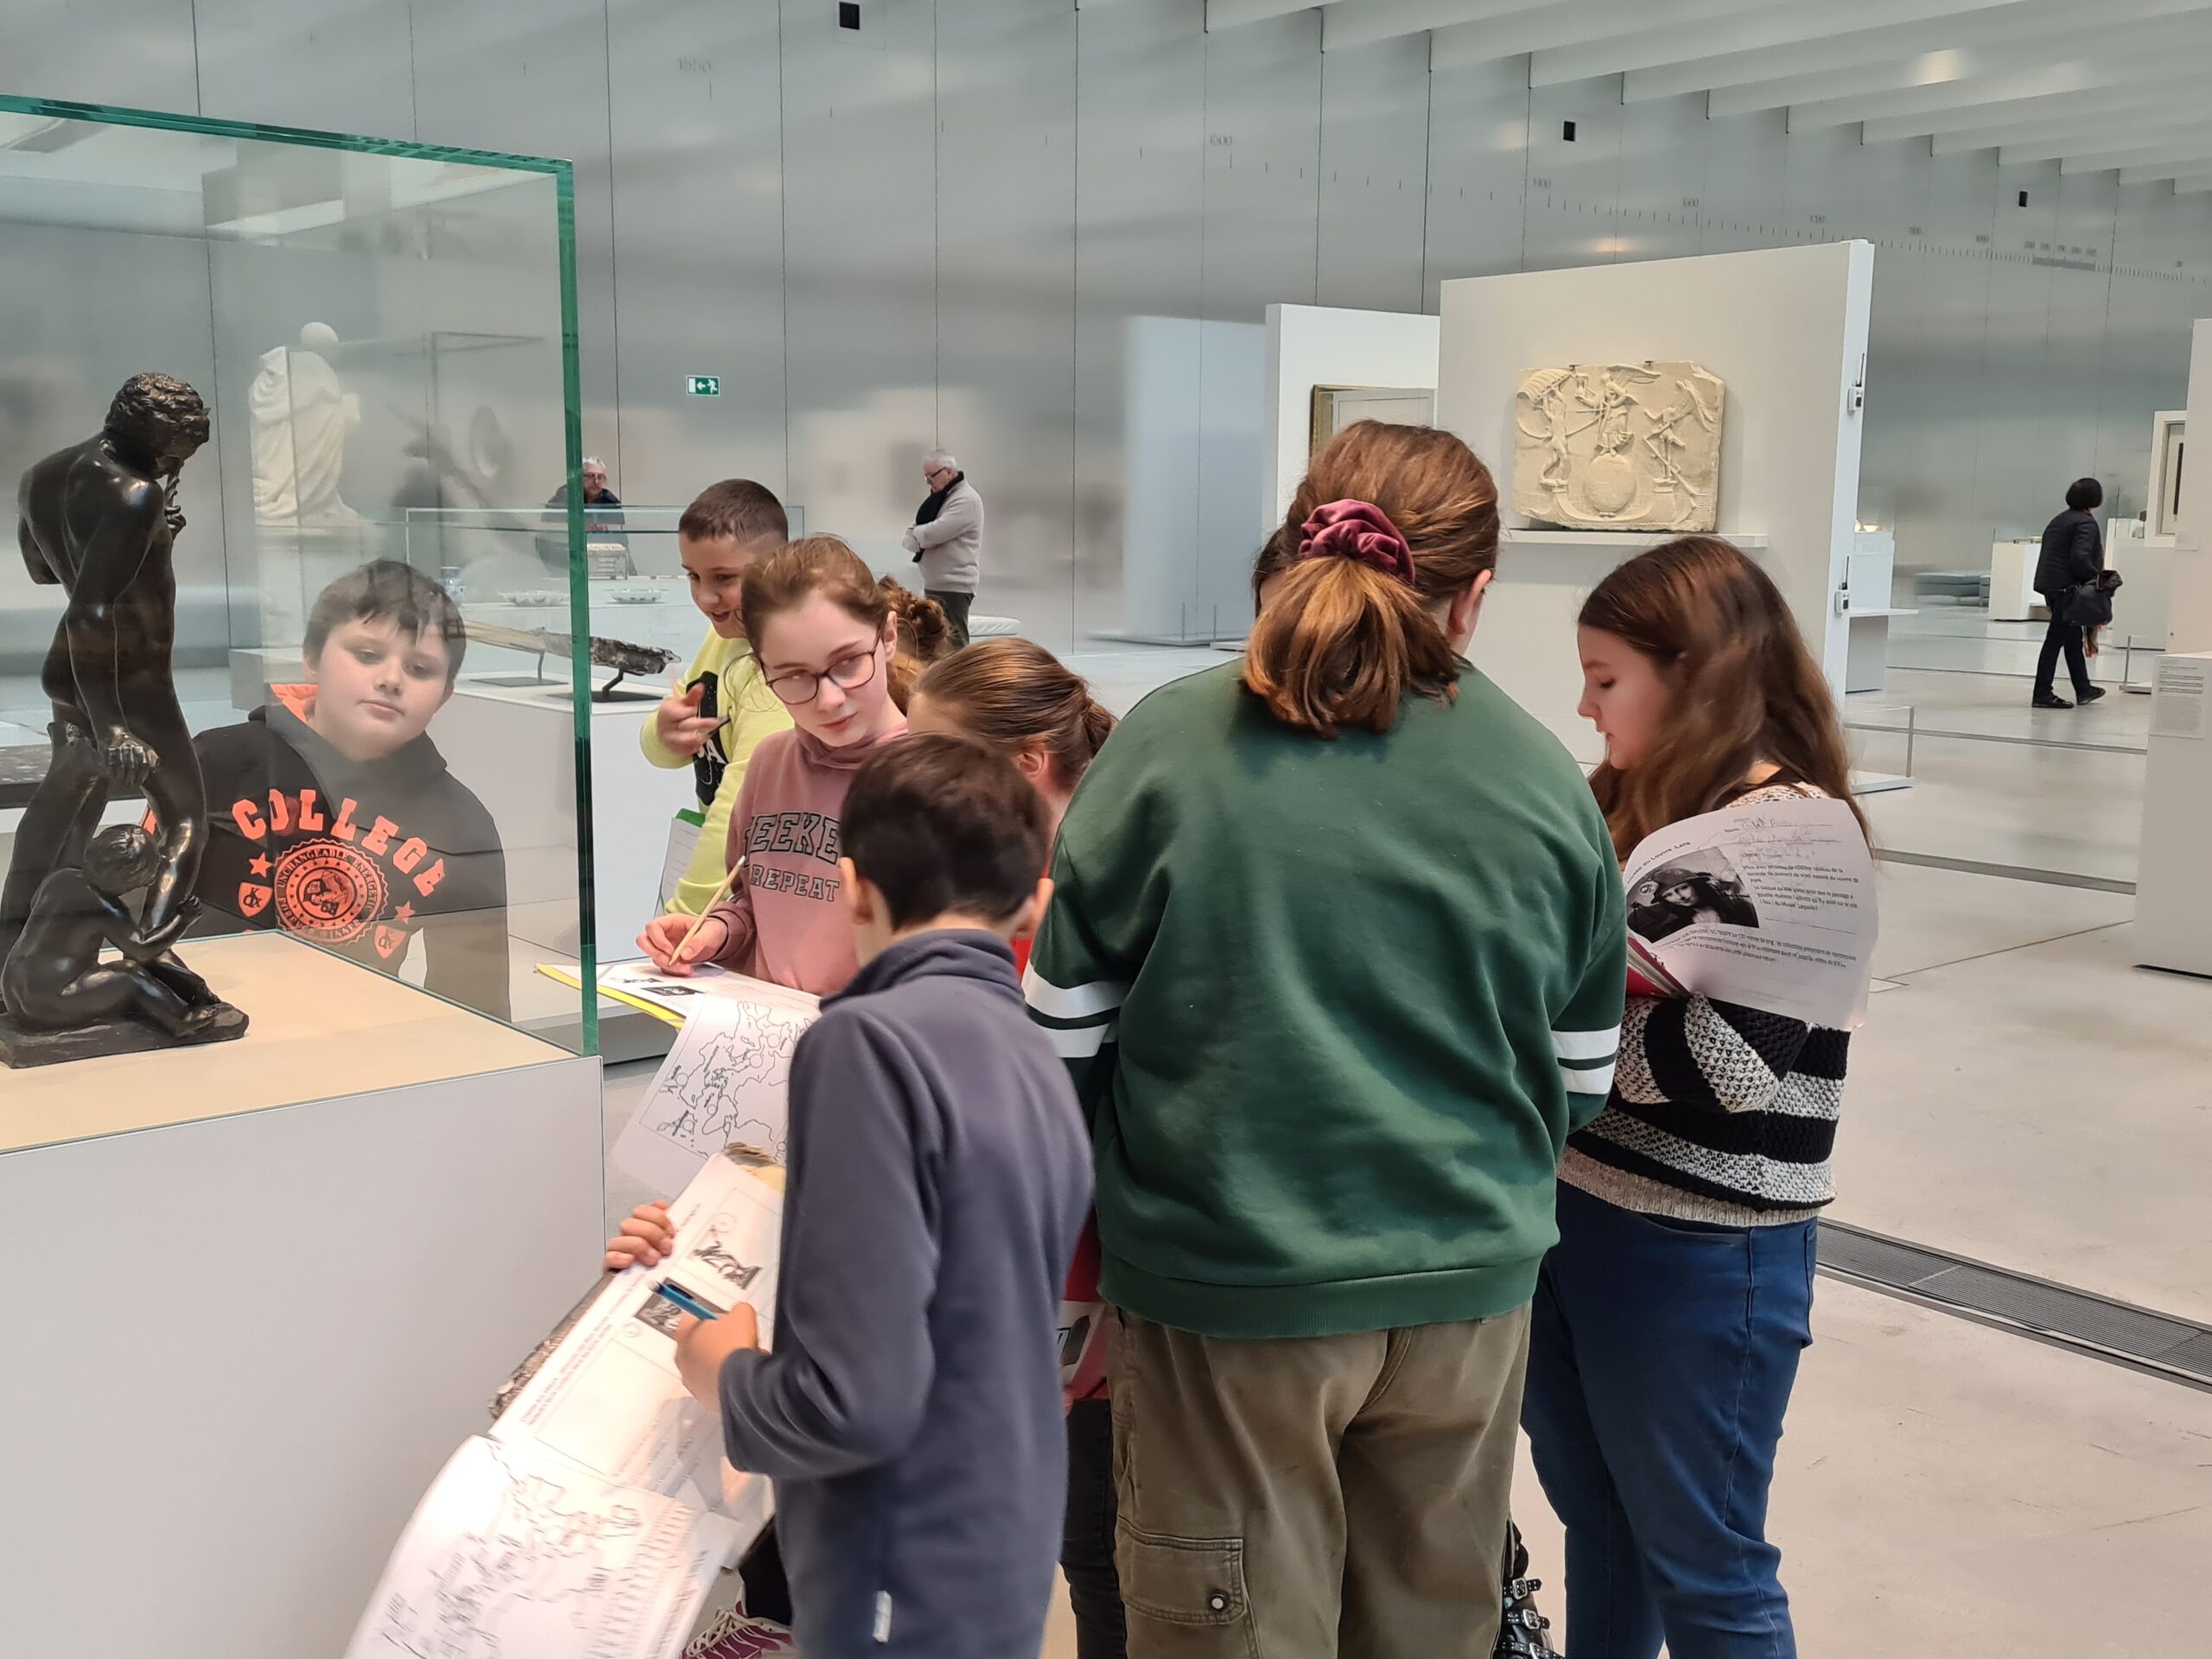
[(499, 739), (259, 1324), (2173, 883), (2012, 595), (2140, 610)]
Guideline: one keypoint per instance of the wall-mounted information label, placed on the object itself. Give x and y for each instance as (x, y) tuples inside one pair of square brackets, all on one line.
[(703, 386), (2181, 698)]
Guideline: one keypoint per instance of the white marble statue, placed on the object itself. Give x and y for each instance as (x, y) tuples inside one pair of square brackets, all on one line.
[(1619, 445), (302, 418)]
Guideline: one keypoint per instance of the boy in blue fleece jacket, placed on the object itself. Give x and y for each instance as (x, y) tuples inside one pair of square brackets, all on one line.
[(940, 1173)]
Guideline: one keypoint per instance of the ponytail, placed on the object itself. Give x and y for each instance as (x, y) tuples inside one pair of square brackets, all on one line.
[(1014, 696), (1390, 523), (1341, 644), (1098, 723), (924, 636)]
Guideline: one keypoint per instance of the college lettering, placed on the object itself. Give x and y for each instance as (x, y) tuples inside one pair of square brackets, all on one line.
[(811, 835), (304, 813), (825, 887)]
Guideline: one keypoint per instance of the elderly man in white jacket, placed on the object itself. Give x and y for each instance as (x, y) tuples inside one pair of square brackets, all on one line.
[(947, 540)]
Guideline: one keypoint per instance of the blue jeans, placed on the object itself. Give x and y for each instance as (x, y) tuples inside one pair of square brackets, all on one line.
[(1660, 1364)]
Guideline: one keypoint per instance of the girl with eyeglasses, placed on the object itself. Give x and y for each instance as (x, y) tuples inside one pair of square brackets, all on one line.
[(826, 637)]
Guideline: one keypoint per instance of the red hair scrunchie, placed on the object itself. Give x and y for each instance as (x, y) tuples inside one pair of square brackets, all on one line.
[(1357, 529)]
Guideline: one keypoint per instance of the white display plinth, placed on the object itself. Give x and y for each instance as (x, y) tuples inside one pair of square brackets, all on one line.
[(1870, 578), (1192, 440), (1786, 328), (2188, 586), (248, 1334), (632, 803), (2173, 881), (2140, 610), (2012, 596)]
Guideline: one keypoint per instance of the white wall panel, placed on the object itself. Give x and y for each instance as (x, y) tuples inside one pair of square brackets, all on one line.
[(1005, 291), (937, 228), (1374, 196), (696, 118), (1573, 214), (332, 64)]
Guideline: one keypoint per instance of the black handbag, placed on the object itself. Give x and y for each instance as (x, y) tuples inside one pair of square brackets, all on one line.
[(2088, 605)]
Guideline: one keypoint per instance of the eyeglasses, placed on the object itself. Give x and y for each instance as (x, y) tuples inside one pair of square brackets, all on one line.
[(805, 684)]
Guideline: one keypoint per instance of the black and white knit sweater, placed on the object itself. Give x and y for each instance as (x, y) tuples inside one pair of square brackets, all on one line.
[(1718, 1113)]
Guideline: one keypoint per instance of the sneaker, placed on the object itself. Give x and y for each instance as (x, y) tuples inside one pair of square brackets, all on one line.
[(1520, 1632), (2085, 698), (2051, 701), (735, 1634)]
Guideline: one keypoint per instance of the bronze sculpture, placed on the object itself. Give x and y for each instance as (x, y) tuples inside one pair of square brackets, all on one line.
[(98, 520), (54, 979)]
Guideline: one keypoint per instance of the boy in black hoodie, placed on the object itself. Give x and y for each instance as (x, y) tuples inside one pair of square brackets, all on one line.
[(331, 813), (910, 1414)]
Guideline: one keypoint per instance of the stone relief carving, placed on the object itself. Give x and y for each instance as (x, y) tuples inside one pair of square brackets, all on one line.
[(1619, 445)]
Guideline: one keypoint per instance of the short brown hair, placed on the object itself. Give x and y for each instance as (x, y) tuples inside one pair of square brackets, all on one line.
[(737, 509), (798, 571), (942, 825), (1012, 695), (1745, 691), (388, 590), (1341, 643)]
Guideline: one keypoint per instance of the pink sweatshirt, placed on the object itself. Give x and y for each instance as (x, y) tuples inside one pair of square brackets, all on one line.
[(786, 913)]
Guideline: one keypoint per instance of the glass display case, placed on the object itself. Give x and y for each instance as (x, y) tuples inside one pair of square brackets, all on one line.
[(507, 567), (383, 335)]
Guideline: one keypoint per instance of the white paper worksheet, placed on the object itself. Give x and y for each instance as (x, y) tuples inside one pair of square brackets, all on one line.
[(515, 1551), (608, 1397), (593, 1519), (725, 1080), (1769, 905)]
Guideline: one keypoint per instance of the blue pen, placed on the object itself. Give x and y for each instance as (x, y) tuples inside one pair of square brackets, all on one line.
[(684, 1299)]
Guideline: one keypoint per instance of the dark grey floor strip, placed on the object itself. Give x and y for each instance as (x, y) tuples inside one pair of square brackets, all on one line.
[(2158, 1345), (1923, 732), (2007, 872)]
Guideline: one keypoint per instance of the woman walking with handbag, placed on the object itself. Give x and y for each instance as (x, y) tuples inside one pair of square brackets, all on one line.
[(2073, 553)]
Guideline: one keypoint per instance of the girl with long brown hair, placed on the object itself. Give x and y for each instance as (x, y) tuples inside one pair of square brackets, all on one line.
[(827, 639), (1336, 956), (1669, 1318)]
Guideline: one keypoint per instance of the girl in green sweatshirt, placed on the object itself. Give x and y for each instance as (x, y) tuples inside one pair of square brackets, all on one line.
[(1337, 960)]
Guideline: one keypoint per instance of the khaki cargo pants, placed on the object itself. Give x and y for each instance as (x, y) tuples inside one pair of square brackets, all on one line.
[(1315, 1497)]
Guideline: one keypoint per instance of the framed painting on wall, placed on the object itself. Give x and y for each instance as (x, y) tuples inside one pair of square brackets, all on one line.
[(1335, 408)]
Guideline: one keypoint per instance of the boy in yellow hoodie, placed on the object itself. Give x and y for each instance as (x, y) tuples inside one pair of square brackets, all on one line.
[(721, 710)]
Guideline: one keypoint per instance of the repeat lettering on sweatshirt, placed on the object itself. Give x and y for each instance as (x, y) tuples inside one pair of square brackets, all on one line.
[(810, 836)]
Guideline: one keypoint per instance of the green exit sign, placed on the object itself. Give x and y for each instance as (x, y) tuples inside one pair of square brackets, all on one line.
[(704, 386)]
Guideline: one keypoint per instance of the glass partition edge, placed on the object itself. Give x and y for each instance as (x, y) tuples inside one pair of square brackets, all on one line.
[(564, 183), (210, 126)]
